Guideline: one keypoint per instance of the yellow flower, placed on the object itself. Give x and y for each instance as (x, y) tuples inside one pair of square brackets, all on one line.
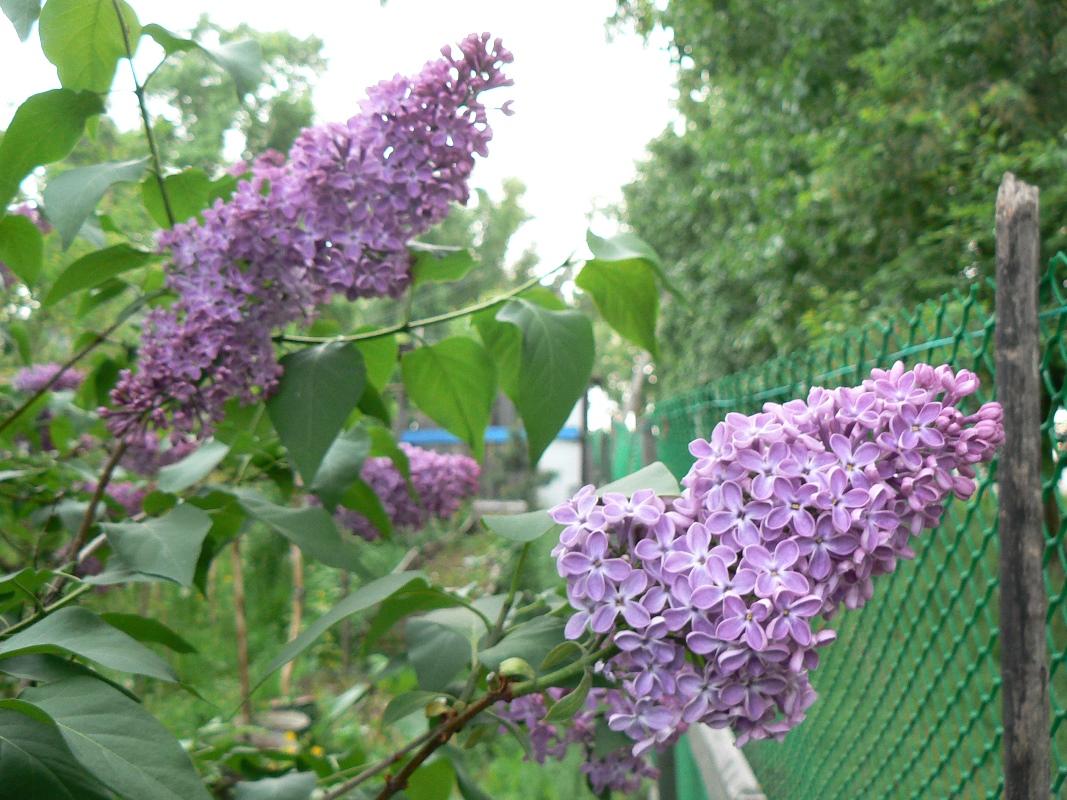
[(290, 736), (317, 751)]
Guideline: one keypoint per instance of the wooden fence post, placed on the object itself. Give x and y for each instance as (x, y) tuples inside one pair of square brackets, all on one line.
[(1023, 600)]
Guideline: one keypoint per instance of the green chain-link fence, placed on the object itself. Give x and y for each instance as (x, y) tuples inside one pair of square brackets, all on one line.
[(909, 702)]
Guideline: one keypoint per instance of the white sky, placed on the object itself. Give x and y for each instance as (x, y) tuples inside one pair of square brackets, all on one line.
[(584, 108)]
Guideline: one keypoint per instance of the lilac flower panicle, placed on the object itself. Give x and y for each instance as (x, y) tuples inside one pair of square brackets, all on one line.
[(442, 482), (334, 218), (719, 599), (33, 379)]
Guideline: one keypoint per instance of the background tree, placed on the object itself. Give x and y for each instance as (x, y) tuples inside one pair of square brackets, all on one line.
[(835, 160)]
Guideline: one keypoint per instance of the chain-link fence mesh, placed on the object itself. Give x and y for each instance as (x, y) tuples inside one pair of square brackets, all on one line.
[(909, 702)]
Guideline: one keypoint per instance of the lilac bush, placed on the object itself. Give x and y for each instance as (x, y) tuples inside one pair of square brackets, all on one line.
[(442, 482), (334, 218), (717, 599), (33, 379)]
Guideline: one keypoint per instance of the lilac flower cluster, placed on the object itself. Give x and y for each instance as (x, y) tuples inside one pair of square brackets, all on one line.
[(441, 481), (618, 770), (31, 380), (334, 218), (713, 597)]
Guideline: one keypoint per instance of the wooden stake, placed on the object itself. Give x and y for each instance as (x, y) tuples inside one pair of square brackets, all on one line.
[(296, 618), (1023, 599), (240, 624)]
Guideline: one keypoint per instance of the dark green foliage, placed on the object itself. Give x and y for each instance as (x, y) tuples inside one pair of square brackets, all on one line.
[(837, 160)]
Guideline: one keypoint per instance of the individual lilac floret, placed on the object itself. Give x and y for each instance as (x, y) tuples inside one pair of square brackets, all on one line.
[(31, 380), (442, 482), (786, 517), (332, 219)]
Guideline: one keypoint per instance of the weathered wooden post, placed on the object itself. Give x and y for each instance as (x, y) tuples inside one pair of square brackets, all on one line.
[(1023, 600)]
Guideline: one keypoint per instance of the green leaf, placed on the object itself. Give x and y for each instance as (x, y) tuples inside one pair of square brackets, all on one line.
[(36, 763), (408, 703), (384, 446), (85, 40), (170, 42), (80, 632), (22, 13), (163, 547), (21, 248), (655, 476), (95, 268), (438, 651), (432, 781), (341, 466), (372, 404), (532, 642), (243, 59), (417, 597), (70, 197), (468, 789), (520, 527), (628, 247), (561, 654), (572, 702), (45, 128), (42, 667), (504, 344), (148, 630), (440, 264), (380, 355), (454, 383), (360, 497), (189, 192), (294, 786), (360, 600), (194, 467), (118, 741), (626, 296), (311, 529), (557, 362), (318, 391)]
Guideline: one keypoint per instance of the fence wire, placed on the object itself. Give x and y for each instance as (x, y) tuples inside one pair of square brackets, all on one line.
[(909, 704)]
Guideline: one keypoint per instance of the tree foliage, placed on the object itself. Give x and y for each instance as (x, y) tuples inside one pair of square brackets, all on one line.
[(835, 160)]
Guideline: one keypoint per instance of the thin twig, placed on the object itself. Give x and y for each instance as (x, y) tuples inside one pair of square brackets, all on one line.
[(139, 90), (450, 728), (402, 327), (563, 673), (96, 341), (380, 765), (18, 626), (89, 517)]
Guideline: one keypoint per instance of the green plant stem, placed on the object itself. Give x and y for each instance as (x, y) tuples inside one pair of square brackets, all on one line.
[(563, 673), (447, 730), (403, 327), (380, 766), (97, 340), (89, 517), (63, 601), (139, 90)]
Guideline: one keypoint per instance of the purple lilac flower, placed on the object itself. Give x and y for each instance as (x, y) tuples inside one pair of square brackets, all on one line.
[(785, 518), (31, 380), (442, 482), (619, 771), (333, 219)]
